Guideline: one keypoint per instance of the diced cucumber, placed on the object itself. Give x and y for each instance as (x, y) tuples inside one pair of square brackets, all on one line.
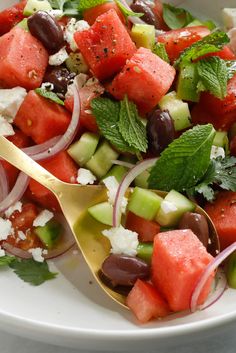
[(172, 208), (83, 149), (187, 83), (102, 212), (141, 180), (76, 63), (33, 6), (101, 161), (23, 24), (118, 171), (50, 233), (178, 110), (144, 203), (195, 22), (144, 251), (231, 270), (143, 35), (221, 140)]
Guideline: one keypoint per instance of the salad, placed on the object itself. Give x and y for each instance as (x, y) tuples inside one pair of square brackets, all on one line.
[(139, 95)]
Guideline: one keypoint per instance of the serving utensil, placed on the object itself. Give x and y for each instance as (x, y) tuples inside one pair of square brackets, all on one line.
[(74, 200)]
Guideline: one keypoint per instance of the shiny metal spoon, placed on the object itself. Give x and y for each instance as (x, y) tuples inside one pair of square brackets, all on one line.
[(74, 201)]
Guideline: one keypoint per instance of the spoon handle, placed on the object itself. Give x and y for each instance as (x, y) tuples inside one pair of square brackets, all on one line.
[(20, 160)]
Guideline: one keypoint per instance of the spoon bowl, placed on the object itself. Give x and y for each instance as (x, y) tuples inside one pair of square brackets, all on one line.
[(75, 200)]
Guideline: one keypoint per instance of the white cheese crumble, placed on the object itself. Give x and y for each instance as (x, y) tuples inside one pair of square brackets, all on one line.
[(76, 63), (58, 58), (229, 17), (85, 177), (21, 235), (10, 102), (5, 228), (55, 13), (123, 241), (232, 37), (37, 254), (6, 128), (167, 207), (70, 29), (15, 207), (49, 86), (112, 186), (217, 152), (79, 81), (43, 218), (2, 252)]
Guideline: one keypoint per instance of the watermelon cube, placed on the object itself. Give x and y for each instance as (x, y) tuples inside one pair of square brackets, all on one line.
[(145, 79), (40, 118), (106, 45), (146, 302), (23, 60), (179, 258)]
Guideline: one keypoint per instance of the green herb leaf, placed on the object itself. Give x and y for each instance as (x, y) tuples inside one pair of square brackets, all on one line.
[(107, 114), (209, 44), (184, 162), (49, 95), (160, 50), (31, 271), (87, 4), (176, 17), (131, 127), (213, 74), (58, 4), (126, 12), (6, 260)]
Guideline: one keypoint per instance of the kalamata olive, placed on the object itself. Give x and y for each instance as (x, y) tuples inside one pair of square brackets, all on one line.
[(160, 130), (145, 8), (46, 29), (198, 224), (60, 77), (124, 270)]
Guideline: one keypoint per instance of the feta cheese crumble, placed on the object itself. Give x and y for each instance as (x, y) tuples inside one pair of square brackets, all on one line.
[(85, 177), (167, 207), (58, 58), (232, 37), (229, 17), (72, 27), (43, 218), (217, 152), (6, 128), (2, 252), (48, 86), (112, 186), (5, 228), (10, 102), (123, 241), (37, 254), (15, 207), (21, 235)]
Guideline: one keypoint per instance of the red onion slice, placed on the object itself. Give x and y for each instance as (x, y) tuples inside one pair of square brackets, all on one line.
[(208, 271), (125, 183), (42, 147), (16, 193), (123, 163), (218, 291), (4, 187)]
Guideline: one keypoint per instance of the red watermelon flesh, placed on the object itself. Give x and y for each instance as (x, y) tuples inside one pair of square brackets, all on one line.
[(179, 259)]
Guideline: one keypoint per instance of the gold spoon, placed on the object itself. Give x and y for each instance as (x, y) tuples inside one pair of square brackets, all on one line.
[(74, 201)]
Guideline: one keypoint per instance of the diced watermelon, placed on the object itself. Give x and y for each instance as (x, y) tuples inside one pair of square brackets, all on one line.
[(146, 229), (225, 54), (223, 213), (179, 258), (61, 166), (233, 146), (177, 40), (11, 16), (158, 12), (106, 45), (146, 302), (91, 14), (40, 118), (21, 141), (23, 60), (145, 79), (199, 115)]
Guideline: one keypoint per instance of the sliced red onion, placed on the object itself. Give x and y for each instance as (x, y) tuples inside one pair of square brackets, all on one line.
[(13, 250), (4, 187), (42, 147), (16, 193), (206, 274), (69, 135), (125, 183), (218, 291), (123, 163)]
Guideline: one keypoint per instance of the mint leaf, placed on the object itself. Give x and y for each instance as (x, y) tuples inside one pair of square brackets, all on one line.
[(213, 74), (49, 95), (126, 12), (176, 17), (209, 44), (87, 4), (160, 50), (131, 127), (69, 7), (31, 271), (184, 162), (107, 113), (6, 260)]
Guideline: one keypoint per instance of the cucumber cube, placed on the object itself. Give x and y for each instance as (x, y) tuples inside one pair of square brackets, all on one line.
[(142, 180), (172, 208), (118, 171), (178, 110), (143, 35), (101, 161), (83, 149), (50, 233), (33, 6), (23, 24), (187, 83), (221, 140), (144, 203), (102, 212)]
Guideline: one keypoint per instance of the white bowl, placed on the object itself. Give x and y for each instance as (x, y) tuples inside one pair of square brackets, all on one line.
[(73, 311)]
